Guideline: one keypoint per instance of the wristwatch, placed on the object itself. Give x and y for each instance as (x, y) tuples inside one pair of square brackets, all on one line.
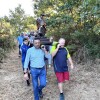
[(25, 72)]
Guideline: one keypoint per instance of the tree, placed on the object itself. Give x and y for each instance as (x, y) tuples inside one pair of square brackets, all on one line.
[(20, 21), (5, 28), (75, 20), (29, 23), (17, 18)]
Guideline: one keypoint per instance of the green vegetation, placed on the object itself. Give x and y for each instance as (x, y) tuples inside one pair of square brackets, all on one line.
[(11, 26), (6, 38), (78, 21)]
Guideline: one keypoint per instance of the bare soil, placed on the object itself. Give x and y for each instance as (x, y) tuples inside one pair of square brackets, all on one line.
[(84, 82)]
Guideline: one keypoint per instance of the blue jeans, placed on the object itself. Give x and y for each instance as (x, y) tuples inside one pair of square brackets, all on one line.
[(48, 61), (38, 73)]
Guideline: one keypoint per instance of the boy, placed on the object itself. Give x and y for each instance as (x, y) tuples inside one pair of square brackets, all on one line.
[(24, 49)]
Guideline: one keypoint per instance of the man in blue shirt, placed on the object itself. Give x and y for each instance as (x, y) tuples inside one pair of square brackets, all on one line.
[(20, 41), (35, 55)]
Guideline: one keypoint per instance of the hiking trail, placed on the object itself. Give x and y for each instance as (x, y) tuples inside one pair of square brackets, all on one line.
[(84, 82)]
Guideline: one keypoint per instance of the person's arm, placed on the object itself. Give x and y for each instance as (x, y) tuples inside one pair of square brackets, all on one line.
[(26, 61), (49, 57), (50, 60), (69, 59), (22, 49), (71, 62), (54, 51), (46, 53)]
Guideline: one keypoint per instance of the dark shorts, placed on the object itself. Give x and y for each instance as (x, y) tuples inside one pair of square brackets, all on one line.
[(62, 76)]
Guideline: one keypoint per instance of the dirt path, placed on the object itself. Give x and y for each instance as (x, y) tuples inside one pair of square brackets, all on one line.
[(83, 85)]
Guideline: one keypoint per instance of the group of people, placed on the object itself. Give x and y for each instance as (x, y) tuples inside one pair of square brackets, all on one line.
[(34, 61), (25, 41), (36, 57)]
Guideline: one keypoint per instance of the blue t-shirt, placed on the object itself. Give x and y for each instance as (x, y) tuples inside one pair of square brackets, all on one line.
[(20, 39), (60, 60)]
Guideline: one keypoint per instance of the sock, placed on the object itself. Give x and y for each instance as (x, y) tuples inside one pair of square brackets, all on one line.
[(61, 93)]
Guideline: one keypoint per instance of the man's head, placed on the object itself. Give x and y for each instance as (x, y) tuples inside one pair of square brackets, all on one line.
[(21, 34), (25, 41), (61, 42), (37, 43), (42, 15)]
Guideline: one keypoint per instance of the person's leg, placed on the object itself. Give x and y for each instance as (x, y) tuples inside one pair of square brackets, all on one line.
[(50, 61), (29, 70), (35, 74), (42, 78), (60, 78), (46, 67), (28, 81), (23, 65), (66, 76), (19, 50), (60, 81), (60, 86)]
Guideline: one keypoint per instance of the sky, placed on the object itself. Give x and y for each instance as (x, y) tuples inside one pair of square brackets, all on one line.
[(5, 5)]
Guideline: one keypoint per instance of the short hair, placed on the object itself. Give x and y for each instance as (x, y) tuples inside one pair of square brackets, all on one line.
[(25, 39), (62, 39), (36, 38)]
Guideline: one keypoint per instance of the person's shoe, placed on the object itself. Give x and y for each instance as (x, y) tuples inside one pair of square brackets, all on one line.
[(28, 83), (62, 96), (40, 94), (19, 55)]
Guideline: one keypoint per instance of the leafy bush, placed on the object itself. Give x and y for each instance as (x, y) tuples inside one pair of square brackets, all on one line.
[(78, 21), (6, 38), (2, 54), (7, 43)]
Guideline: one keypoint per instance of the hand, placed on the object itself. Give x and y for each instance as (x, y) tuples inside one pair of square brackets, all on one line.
[(43, 47), (58, 46), (26, 76), (49, 65), (72, 67)]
